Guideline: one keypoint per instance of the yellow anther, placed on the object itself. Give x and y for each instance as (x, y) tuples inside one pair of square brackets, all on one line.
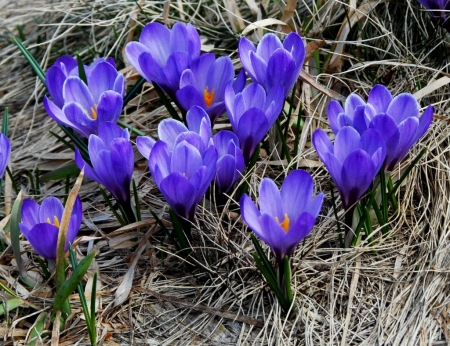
[(208, 97), (56, 221), (285, 223), (93, 113)]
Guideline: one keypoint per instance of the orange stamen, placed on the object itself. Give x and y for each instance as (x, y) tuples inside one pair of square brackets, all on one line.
[(93, 113), (55, 220), (208, 97), (285, 223)]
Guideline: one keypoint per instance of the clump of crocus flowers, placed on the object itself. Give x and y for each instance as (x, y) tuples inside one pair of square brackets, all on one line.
[(190, 157), (202, 81), (84, 105), (371, 139)]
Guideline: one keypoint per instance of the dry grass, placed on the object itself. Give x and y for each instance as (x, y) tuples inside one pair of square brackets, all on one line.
[(343, 297)]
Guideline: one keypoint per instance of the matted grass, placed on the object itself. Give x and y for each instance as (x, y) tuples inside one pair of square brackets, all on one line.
[(400, 296)]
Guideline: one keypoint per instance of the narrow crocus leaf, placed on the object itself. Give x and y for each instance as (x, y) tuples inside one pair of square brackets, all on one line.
[(135, 90), (82, 147), (61, 173), (166, 102), (89, 315), (373, 202), (262, 256), (10, 304), (284, 146), (264, 266), (353, 237), (136, 201), (131, 128), (5, 121), (44, 268), (81, 71), (392, 197), (166, 231), (407, 171), (288, 279), (92, 326), (182, 237), (74, 263), (254, 159), (15, 241), (8, 290), (37, 329), (31, 60), (62, 234), (272, 282), (111, 207), (384, 200), (368, 218), (71, 284)]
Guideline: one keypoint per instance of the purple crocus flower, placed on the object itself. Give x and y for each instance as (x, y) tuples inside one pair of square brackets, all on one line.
[(273, 62), (80, 106), (396, 119), (284, 217), (40, 224), (5, 153), (161, 54), (169, 130), (439, 10), (112, 159), (252, 112), (183, 161), (183, 174), (204, 84), (353, 161), (230, 163)]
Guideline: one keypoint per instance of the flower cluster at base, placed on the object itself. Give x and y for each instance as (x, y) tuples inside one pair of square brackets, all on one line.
[(369, 136), (84, 107), (40, 224), (185, 160), (172, 59), (396, 119), (285, 217)]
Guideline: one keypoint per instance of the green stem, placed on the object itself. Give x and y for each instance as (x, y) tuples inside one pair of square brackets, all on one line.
[(348, 219), (129, 212)]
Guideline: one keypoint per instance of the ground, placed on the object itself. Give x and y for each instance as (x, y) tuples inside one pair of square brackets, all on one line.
[(394, 291)]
